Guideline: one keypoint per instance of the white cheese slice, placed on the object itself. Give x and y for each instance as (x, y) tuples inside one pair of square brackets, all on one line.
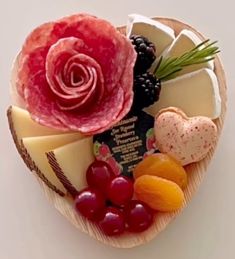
[(35, 149), (158, 33), (70, 163), (196, 93), (184, 42)]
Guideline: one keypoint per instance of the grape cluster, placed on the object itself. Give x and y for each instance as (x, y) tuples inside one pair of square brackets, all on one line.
[(108, 202)]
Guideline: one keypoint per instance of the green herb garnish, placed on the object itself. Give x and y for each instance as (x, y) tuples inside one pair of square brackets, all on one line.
[(169, 67)]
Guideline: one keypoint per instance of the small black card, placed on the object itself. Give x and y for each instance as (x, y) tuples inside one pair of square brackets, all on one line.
[(127, 143)]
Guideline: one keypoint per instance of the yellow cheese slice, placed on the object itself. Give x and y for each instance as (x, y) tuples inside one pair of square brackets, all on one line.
[(196, 93), (35, 149), (23, 126), (184, 42), (70, 163)]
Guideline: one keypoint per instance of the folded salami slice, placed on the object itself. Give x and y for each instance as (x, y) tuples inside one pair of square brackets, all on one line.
[(75, 78), (77, 74)]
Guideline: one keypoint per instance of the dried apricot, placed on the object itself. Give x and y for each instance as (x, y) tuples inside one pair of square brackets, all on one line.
[(160, 194), (164, 166)]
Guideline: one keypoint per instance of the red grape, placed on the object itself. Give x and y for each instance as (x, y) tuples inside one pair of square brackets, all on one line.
[(138, 216), (89, 203), (99, 174), (120, 190), (112, 221)]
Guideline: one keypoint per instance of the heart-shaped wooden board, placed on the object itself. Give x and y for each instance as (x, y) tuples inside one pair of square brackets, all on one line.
[(195, 172)]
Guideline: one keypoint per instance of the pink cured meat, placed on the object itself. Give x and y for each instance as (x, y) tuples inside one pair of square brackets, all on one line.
[(64, 59), (79, 76)]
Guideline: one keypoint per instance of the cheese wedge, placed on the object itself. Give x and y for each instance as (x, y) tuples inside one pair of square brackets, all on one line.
[(184, 42), (196, 93), (159, 34), (35, 149), (23, 130), (70, 163), (22, 125)]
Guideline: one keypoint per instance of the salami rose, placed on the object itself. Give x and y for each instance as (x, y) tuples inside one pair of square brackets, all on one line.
[(77, 74)]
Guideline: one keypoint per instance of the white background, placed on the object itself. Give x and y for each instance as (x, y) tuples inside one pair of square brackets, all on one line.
[(30, 228)]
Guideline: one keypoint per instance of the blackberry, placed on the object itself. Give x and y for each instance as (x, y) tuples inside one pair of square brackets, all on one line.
[(146, 90), (145, 53)]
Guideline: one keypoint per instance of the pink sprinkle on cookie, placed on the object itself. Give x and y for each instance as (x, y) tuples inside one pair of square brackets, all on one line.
[(186, 139)]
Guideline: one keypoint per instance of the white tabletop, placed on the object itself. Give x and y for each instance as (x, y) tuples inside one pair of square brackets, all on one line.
[(31, 228)]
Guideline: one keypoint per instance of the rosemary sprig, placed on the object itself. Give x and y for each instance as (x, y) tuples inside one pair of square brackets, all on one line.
[(169, 67)]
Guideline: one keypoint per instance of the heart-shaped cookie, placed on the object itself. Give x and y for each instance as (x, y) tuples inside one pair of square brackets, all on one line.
[(196, 172), (186, 139)]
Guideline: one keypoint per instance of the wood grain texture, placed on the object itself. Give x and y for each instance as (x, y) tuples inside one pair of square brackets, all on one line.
[(195, 171)]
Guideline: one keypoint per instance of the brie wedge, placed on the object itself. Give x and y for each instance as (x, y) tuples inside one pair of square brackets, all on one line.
[(196, 93), (159, 34), (184, 42)]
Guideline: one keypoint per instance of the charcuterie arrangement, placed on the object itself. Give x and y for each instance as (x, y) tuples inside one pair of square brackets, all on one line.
[(110, 121)]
